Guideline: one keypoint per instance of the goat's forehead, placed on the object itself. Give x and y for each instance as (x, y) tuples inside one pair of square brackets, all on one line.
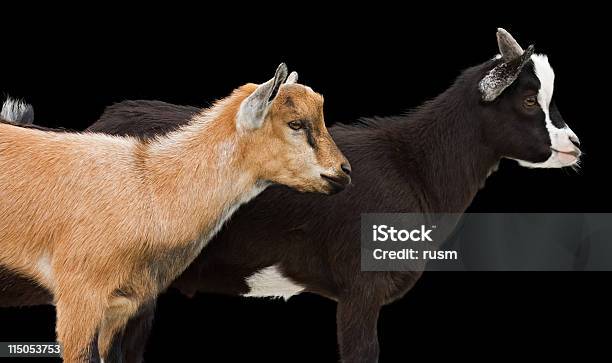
[(546, 76), (300, 99), (300, 90)]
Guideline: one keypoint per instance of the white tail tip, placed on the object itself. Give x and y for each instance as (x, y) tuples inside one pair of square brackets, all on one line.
[(17, 111)]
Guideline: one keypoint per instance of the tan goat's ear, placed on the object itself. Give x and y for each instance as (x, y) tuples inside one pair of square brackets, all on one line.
[(254, 108), (293, 78)]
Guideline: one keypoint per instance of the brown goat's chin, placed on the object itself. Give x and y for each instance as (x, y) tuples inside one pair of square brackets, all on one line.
[(321, 187), (336, 183)]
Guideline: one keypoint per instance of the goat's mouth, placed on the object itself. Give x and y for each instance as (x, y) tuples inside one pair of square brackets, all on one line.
[(336, 183), (575, 153), (567, 157)]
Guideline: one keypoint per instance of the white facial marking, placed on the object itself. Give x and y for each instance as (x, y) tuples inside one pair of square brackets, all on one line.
[(270, 282), (560, 139), (312, 170)]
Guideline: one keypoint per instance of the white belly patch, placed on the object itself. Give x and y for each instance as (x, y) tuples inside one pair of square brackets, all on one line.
[(270, 282)]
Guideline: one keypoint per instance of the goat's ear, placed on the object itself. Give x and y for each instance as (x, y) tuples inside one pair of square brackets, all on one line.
[(509, 48), (293, 78), (503, 75), (254, 108)]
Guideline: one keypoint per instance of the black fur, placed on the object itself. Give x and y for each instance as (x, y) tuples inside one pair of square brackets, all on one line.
[(138, 115)]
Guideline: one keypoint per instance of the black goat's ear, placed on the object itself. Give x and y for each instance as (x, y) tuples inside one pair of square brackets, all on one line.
[(503, 75), (254, 108), (509, 48)]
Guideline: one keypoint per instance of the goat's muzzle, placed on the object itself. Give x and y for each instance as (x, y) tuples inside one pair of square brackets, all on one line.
[(337, 182), (568, 156)]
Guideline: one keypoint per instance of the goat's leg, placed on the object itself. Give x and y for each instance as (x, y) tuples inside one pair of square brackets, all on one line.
[(77, 322), (115, 352), (116, 317), (131, 344), (137, 334), (94, 357), (357, 319)]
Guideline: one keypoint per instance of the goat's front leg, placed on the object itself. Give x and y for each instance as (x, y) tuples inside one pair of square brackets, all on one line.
[(77, 322), (357, 319)]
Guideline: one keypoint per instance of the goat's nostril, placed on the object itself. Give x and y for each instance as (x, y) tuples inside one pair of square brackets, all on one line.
[(346, 168), (574, 139)]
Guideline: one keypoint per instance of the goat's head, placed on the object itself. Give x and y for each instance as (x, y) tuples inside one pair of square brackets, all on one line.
[(285, 119), (525, 124)]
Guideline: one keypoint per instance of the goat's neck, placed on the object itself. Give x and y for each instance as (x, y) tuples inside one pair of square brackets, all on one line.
[(199, 174), (448, 149)]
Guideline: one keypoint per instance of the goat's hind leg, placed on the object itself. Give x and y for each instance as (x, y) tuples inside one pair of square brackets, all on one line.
[(116, 317), (137, 333)]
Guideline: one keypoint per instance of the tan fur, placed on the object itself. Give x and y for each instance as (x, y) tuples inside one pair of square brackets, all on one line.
[(116, 218)]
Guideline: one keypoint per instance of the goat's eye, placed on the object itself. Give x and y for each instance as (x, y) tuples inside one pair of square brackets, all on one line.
[(296, 125), (530, 101)]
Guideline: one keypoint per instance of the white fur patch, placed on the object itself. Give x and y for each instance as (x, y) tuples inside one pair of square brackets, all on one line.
[(17, 111), (43, 267), (270, 282), (560, 139)]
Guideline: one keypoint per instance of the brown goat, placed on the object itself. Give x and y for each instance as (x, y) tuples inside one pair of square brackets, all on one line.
[(106, 223)]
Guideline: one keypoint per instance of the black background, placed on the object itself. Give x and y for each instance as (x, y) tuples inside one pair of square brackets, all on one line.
[(377, 62)]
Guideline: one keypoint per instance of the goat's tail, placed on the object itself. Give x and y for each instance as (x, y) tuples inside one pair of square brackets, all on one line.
[(17, 111)]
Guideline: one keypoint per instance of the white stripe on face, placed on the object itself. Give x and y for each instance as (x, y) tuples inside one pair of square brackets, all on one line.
[(560, 139)]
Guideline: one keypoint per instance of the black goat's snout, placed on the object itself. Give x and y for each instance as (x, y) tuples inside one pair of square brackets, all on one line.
[(575, 140)]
